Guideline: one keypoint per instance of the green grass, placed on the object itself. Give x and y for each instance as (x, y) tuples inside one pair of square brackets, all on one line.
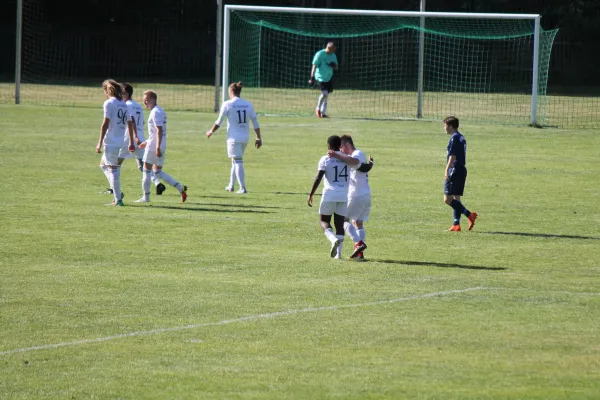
[(496, 108), (401, 325)]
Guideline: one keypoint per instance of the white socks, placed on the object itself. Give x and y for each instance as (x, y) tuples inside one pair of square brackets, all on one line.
[(339, 249), (107, 173), (168, 178), (232, 175), (146, 180), (350, 230), (239, 171), (116, 182), (330, 235), (361, 233)]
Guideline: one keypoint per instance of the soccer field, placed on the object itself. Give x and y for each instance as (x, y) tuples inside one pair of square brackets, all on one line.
[(235, 296)]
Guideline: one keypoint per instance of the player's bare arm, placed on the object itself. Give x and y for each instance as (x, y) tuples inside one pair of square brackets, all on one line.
[(311, 81), (315, 185), (103, 129), (159, 135), (131, 131), (343, 157), (212, 130), (451, 160), (258, 141)]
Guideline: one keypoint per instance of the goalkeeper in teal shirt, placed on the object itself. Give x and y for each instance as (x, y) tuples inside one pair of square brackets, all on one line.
[(323, 64)]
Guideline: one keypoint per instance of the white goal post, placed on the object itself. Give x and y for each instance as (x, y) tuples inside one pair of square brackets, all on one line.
[(298, 10)]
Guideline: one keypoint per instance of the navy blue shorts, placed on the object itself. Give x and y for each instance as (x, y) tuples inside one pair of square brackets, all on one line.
[(327, 86), (455, 185)]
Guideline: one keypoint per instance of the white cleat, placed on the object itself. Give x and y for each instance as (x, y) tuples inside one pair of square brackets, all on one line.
[(334, 247), (229, 188), (242, 191), (142, 200), (338, 257)]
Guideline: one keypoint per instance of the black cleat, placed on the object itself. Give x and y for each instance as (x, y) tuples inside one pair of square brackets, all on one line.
[(160, 188)]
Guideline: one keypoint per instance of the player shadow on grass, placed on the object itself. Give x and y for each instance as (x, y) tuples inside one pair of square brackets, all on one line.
[(543, 235), (241, 206), (216, 210), (437, 264)]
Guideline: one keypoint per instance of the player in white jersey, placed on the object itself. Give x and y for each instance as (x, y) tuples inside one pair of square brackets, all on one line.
[(136, 124), (112, 137), (334, 197), (238, 112), (155, 148), (359, 192)]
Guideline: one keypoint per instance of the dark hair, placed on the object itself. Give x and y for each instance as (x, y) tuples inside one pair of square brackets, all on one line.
[(451, 121), (347, 139), (334, 142), (236, 88), (127, 88), (113, 88)]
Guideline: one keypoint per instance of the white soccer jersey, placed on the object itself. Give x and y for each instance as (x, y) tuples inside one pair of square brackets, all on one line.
[(137, 112), (157, 118), (359, 181), (238, 113), (336, 182), (116, 111)]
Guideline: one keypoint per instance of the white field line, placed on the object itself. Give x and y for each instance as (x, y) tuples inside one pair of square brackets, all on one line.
[(234, 320)]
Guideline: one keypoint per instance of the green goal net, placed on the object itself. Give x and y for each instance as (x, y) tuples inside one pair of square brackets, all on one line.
[(480, 69)]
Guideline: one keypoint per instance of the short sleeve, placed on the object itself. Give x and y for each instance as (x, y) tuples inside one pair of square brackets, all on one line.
[(322, 163), (317, 58), (361, 158), (222, 114), (106, 109), (455, 146)]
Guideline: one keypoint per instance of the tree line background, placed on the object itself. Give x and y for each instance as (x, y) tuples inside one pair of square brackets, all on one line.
[(186, 29)]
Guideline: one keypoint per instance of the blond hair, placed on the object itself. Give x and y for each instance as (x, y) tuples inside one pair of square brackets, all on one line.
[(152, 94), (112, 88)]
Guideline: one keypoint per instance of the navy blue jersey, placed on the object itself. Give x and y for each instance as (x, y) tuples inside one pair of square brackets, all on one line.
[(457, 146)]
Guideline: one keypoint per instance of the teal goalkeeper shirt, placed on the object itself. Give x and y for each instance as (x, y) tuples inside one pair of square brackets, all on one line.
[(324, 72)]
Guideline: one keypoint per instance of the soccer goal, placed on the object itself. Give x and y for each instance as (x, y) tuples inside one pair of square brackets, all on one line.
[(392, 64)]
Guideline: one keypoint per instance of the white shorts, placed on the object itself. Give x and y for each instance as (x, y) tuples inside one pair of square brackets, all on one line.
[(124, 152), (110, 156), (359, 207), (138, 153), (236, 149), (150, 157), (331, 207)]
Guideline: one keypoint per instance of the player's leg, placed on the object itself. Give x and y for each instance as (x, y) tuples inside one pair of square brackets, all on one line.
[(326, 210), (339, 221), (453, 191), (157, 169), (328, 89), (237, 154), (106, 170), (111, 160), (322, 98), (232, 177), (146, 181)]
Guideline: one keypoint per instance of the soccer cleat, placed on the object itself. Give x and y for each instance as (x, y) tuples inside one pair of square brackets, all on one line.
[(472, 217), (142, 200), (120, 203), (242, 191), (334, 247), (454, 228), (358, 249), (160, 188), (337, 257), (360, 257), (324, 115), (318, 112), (184, 194), (229, 189)]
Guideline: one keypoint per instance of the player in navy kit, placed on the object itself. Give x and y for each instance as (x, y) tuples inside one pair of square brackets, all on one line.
[(455, 174)]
